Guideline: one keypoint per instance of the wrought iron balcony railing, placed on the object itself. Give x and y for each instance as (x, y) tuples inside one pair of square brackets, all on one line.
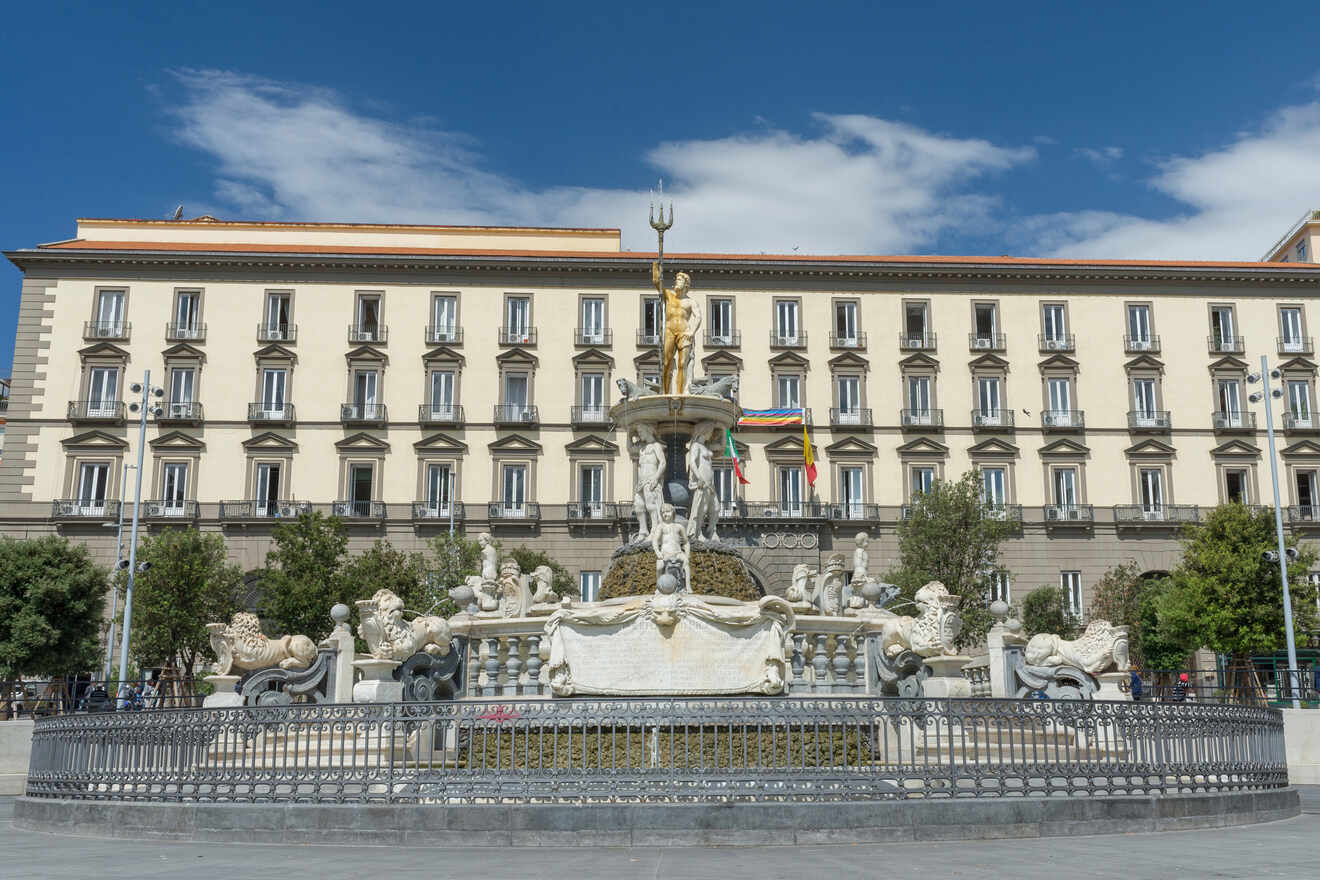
[(106, 329), (1007, 512), (358, 509), (277, 332), (788, 340), (263, 509), (921, 419), (1065, 342), (848, 340), (1304, 513), (181, 412), (590, 416), (991, 419), (1243, 420), (987, 341), (269, 412), (593, 336), (1226, 344), (170, 510), (1295, 345), (594, 511), (1149, 420), (1141, 344), (1063, 419), (360, 333), (1156, 513), (440, 414), (506, 510), (853, 416), (517, 336), (444, 334), (363, 413), (854, 510), (96, 411), (916, 341), (649, 338), (185, 332), (516, 414), (441, 510), (1300, 421), (785, 509), (728, 339), (1068, 514), (84, 508)]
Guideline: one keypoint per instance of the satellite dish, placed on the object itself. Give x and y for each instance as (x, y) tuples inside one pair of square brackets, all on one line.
[(178, 213)]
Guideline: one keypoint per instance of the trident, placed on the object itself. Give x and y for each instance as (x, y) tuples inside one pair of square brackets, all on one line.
[(660, 225)]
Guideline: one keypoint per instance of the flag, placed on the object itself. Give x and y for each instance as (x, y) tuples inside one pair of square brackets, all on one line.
[(808, 460), (732, 449), (760, 418)]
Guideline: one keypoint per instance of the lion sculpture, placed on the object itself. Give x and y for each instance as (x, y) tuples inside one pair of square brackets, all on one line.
[(239, 644), (1101, 647), (390, 637), (931, 634)]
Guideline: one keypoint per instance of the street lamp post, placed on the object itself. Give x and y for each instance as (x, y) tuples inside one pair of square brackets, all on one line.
[(1266, 394), (142, 409), (114, 594)]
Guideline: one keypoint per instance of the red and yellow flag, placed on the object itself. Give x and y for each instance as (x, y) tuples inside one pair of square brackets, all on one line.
[(808, 460)]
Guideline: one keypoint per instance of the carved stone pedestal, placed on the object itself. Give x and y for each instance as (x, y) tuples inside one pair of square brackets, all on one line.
[(377, 684), (1111, 686), (946, 677), (224, 696)]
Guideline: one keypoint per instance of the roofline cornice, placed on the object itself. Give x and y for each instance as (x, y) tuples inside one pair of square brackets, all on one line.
[(1292, 273)]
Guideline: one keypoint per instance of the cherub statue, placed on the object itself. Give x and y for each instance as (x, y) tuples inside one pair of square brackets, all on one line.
[(861, 559), (488, 591), (390, 637), (241, 645), (670, 543)]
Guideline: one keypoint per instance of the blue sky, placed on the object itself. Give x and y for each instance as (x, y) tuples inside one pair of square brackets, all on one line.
[(1078, 130)]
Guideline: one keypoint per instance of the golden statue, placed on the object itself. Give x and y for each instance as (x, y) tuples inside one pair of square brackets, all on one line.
[(682, 320)]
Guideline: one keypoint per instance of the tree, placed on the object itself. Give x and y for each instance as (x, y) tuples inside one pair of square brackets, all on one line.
[(302, 578), (951, 535), (384, 567), (528, 560), (1125, 598), (187, 585), (1225, 595), (453, 558), (51, 596), (1045, 610)]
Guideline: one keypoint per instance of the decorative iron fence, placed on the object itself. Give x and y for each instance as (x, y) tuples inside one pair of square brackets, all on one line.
[(709, 749), (32, 698)]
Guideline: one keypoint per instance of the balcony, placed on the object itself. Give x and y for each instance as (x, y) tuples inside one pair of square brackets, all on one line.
[(788, 340), (517, 336), (170, 510), (84, 509), (185, 332), (358, 510), (987, 341), (1226, 344), (1298, 514), (270, 413), (852, 417), (444, 334), (439, 414), (921, 419), (916, 341), (649, 339), (1063, 420), (1233, 421), (423, 511), (516, 414), (363, 413), (1141, 344), (99, 411), (1299, 422), (992, 419), (1296, 345), (1155, 514), (848, 341), (854, 510), (368, 333), (590, 416), (1066, 342), (106, 330), (591, 511), (528, 511), (277, 333), (235, 511), (186, 412), (728, 339), (1068, 514), (593, 336), (785, 510), (1007, 512), (1156, 421)]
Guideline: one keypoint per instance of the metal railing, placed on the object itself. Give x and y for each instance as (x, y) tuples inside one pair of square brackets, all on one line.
[(1299, 421), (987, 341), (598, 415), (424, 510), (96, 411), (783, 509), (515, 414), (444, 333), (991, 419), (170, 510), (1304, 513), (277, 332), (106, 329), (594, 511), (358, 509), (1156, 513), (732, 339), (712, 749), (1066, 342), (440, 414), (1063, 419), (180, 411), (1141, 344), (238, 510), (528, 511), (1244, 420), (854, 340), (854, 510), (185, 332), (1254, 686), (263, 411), (1226, 344), (1295, 345), (648, 339), (91, 508), (921, 418), (368, 333), (788, 340), (593, 336), (517, 336), (363, 413), (1068, 514), (916, 342), (1149, 420), (1292, 230), (21, 698), (853, 416)]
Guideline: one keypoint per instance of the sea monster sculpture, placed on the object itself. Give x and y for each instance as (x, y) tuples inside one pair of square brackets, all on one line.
[(239, 644), (390, 637)]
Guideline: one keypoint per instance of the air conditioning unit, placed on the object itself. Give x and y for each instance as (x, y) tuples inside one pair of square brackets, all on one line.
[(1052, 513), (1154, 514), (984, 342), (1055, 345), (1139, 344), (527, 415), (1160, 422), (1074, 513), (1049, 419), (287, 510), (274, 334), (1222, 421), (68, 508), (911, 418)]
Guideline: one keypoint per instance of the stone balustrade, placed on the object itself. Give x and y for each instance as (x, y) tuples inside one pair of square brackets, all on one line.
[(977, 674)]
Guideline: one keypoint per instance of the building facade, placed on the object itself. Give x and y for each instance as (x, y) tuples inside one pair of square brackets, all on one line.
[(398, 376)]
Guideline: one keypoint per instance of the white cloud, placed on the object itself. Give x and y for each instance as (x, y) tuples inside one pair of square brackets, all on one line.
[(1102, 157), (858, 184)]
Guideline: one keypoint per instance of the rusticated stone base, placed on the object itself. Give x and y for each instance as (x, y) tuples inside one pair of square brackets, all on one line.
[(716, 571)]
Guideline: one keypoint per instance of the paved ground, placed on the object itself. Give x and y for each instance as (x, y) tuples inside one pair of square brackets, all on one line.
[(1278, 849)]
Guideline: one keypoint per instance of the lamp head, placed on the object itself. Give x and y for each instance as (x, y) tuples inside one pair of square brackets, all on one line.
[(136, 387)]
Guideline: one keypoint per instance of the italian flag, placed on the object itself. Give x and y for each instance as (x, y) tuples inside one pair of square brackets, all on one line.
[(732, 449)]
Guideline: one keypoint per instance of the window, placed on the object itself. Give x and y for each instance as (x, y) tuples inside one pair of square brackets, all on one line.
[(515, 392), (650, 379), (790, 491), (589, 582), (850, 400), (368, 327), (593, 397), (187, 314), (787, 388), (174, 485), (922, 479), (1143, 400), (1307, 499), (103, 392), (1150, 483), (1290, 322), (845, 324), (989, 407), (724, 488), (366, 403), (109, 314), (439, 483), (1301, 251), (442, 394), (183, 381), (1138, 327), (518, 318), (987, 324), (1059, 392), (444, 318), (1235, 486), (992, 488), (273, 384), (268, 489), (591, 490), (786, 321), (514, 495), (1065, 488), (361, 481), (1221, 328), (915, 324), (721, 321), (278, 309), (93, 483), (653, 320), (1299, 402), (1228, 393), (593, 320), (851, 492), (1055, 324), (1071, 582), (918, 391), (1000, 588)]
